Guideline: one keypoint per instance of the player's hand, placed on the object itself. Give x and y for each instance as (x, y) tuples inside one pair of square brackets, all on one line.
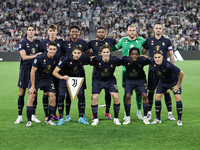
[(65, 77), (175, 88), (39, 53), (32, 90)]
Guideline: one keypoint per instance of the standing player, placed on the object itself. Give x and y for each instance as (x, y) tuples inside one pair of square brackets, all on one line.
[(136, 78), (104, 79), (67, 49), (52, 37), (95, 46), (158, 42), (71, 66), (170, 77), (28, 49), (41, 77), (126, 43)]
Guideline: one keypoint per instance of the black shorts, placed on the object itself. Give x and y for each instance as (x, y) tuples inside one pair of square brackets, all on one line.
[(152, 80), (141, 84), (24, 77), (163, 87), (98, 85), (46, 86)]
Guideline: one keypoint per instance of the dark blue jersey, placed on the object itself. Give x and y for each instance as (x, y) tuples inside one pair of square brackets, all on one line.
[(96, 44), (69, 45), (104, 70), (44, 44), (31, 48), (71, 67), (163, 44), (45, 66), (135, 69), (167, 72)]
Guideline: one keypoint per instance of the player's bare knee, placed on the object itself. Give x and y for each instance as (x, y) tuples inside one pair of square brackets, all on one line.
[(177, 97), (52, 98), (144, 97), (128, 98)]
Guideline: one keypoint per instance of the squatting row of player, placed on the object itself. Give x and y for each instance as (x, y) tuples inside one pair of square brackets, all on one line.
[(41, 59)]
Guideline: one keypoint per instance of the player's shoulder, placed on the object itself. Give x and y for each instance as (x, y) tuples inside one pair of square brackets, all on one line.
[(150, 38), (114, 58), (37, 41), (44, 41), (23, 41), (40, 56), (82, 40), (91, 42)]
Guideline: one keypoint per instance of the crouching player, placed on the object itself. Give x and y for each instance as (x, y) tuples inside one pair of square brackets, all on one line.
[(71, 65), (135, 78), (41, 77), (104, 79), (170, 78)]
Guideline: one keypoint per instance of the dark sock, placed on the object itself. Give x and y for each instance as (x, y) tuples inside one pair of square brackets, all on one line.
[(29, 112), (68, 104), (127, 109), (138, 99), (95, 111), (158, 109), (34, 105), (20, 104), (51, 112), (179, 108), (108, 101), (81, 104), (57, 99), (116, 108), (145, 108), (150, 98), (61, 105), (45, 105), (168, 102)]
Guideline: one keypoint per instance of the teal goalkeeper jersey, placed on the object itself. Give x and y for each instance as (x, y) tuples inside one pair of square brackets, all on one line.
[(126, 44)]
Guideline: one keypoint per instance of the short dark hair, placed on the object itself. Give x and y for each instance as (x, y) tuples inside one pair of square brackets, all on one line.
[(158, 23), (100, 28), (105, 46), (77, 47), (52, 43), (74, 27), (52, 26), (31, 25), (134, 49), (157, 52)]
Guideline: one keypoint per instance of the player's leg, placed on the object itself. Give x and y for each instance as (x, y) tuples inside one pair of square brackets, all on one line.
[(116, 107), (62, 91), (20, 104), (55, 81), (128, 108), (33, 117), (45, 101), (94, 105), (52, 106), (139, 104), (168, 102), (68, 106), (108, 103), (81, 107), (124, 85), (29, 108), (179, 106)]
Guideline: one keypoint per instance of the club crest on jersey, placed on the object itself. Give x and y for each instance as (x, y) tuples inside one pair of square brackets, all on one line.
[(49, 67), (36, 45), (132, 45), (58, 44), (27, 45), (33, 50), (158, 47), (80, 45), (163, 44), (111, 66), (69, 45), (96, 44)]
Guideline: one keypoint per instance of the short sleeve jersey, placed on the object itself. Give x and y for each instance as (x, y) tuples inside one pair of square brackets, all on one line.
[(31, 48), (135, 69), (96, 44), (69, 45), (167, 72), (44, 44), (45, 66), (105, 70), (72, 67)]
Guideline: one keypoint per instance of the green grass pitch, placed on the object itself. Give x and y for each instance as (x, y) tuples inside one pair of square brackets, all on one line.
[(106, 135)]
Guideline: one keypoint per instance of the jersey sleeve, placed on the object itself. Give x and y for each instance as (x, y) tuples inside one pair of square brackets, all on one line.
[(124, 60), (119, 44), (93, 61), (174, 69), (118, 61), (62, 62), (86, 58), (169, 47), (36, 61), (85, 46), (143, 41), (145, 45), (146, 60), (22, 46)]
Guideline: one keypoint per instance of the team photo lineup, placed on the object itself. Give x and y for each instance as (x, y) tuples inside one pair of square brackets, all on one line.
[(48, 64)]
